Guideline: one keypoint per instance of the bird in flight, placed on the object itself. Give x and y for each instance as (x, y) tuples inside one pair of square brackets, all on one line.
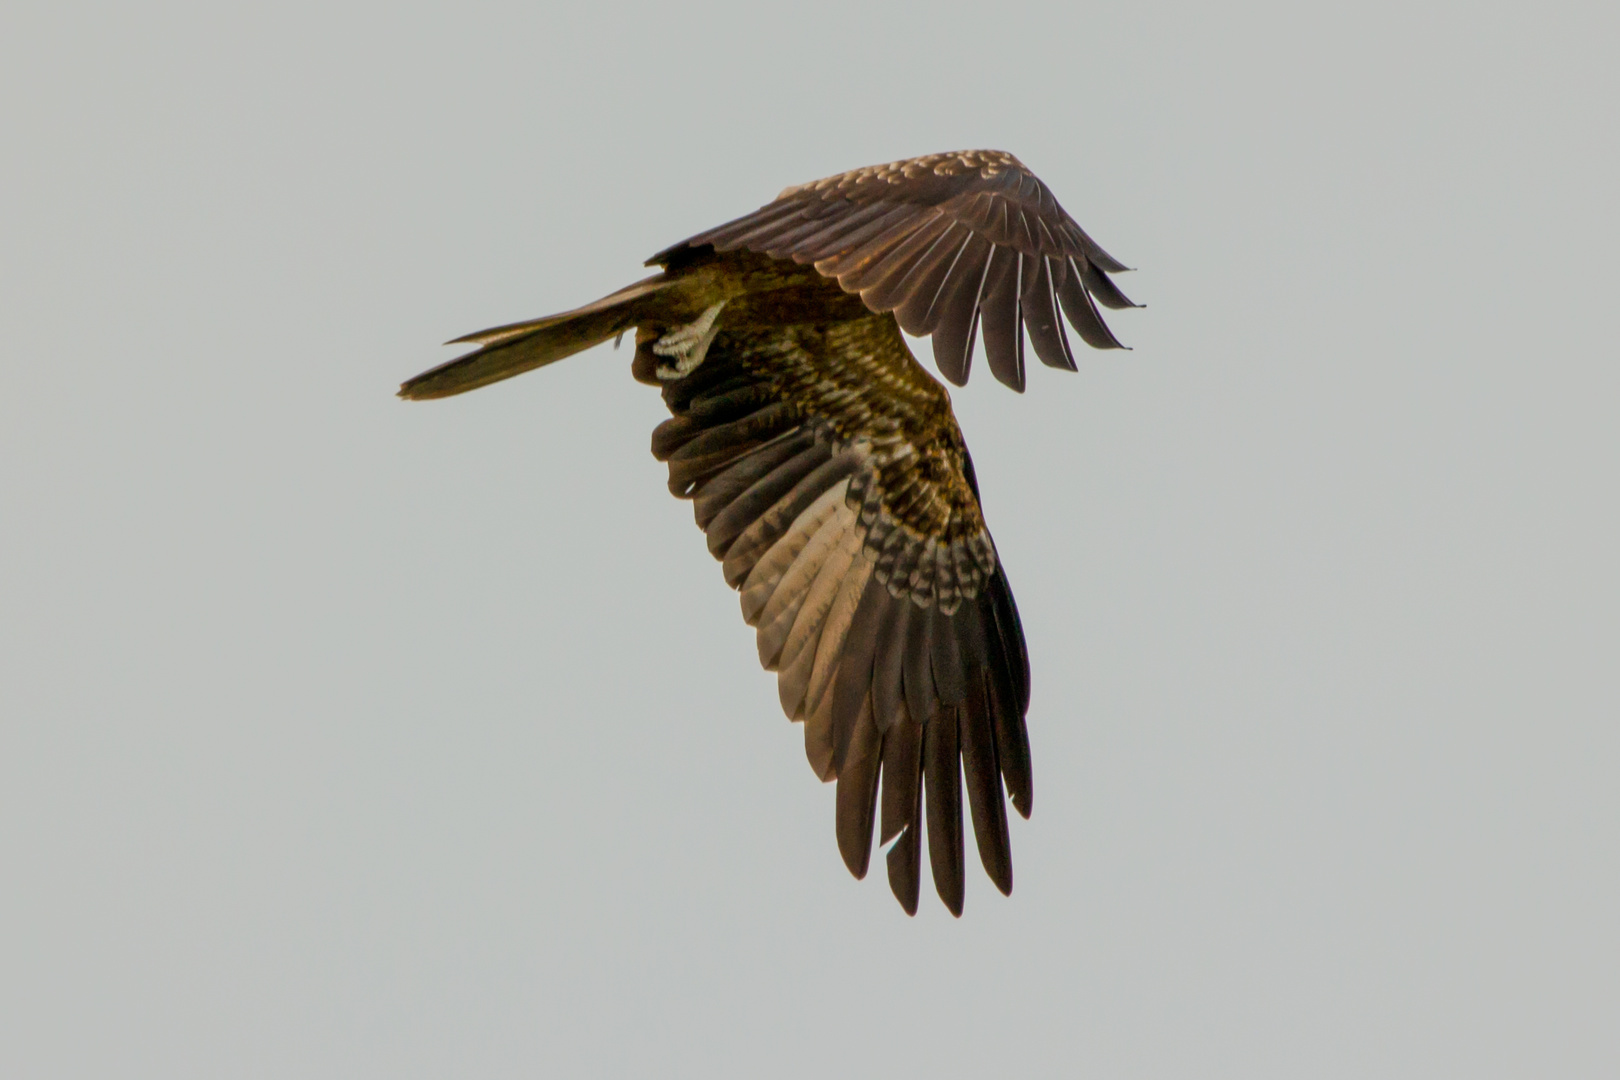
[(828, 473)]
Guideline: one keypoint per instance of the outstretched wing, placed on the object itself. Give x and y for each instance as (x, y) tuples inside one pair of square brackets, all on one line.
[(830, 477), (950, 243)]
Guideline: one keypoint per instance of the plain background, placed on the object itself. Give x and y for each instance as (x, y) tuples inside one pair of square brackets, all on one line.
[(346, 737)]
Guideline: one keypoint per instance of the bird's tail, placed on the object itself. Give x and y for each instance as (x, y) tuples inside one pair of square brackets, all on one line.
[(510, 350)]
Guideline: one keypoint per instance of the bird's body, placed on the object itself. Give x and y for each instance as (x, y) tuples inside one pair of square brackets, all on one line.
[(831, 479)]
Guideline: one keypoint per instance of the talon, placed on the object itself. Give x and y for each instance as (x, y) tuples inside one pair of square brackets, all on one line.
[(688, 345)]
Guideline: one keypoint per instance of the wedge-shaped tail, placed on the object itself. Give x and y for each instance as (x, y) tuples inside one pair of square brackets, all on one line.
[(511, 350)]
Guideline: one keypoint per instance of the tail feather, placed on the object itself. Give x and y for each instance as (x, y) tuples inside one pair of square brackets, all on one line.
[(510, 350)]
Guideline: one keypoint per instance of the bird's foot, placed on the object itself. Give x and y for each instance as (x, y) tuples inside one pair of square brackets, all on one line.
[(686, 346)]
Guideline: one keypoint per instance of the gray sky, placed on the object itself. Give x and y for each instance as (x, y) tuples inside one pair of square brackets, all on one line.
[(343, 737)]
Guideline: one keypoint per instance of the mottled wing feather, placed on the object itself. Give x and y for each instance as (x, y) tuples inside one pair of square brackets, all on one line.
[(828, 472), (902, 235)]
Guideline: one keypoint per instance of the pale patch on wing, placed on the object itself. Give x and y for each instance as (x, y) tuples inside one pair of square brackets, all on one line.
[(777, 618), (761, 583), (836, 629), (799, 651)]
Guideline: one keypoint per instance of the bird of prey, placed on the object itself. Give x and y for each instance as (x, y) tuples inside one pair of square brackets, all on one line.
[(828, 473)]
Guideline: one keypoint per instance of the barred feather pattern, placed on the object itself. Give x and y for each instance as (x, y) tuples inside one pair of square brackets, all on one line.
[(923, 528)]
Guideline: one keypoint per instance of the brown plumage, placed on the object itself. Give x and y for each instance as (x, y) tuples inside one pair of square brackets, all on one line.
[(827, 471)]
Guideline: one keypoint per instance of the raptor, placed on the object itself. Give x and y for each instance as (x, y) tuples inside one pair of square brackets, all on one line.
[(828, 473)]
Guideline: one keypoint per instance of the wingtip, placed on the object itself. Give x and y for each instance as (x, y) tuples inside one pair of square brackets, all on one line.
[(855, 860), (425, 388), (903, 869)]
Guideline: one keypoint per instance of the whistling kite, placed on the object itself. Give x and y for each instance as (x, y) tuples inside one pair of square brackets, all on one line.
[(828, 472)]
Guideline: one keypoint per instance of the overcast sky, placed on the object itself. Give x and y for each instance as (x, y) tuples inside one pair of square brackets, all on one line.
[(344, 737)]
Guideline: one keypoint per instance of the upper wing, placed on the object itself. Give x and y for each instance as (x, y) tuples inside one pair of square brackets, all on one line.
[(825, 466), (948, 242)]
